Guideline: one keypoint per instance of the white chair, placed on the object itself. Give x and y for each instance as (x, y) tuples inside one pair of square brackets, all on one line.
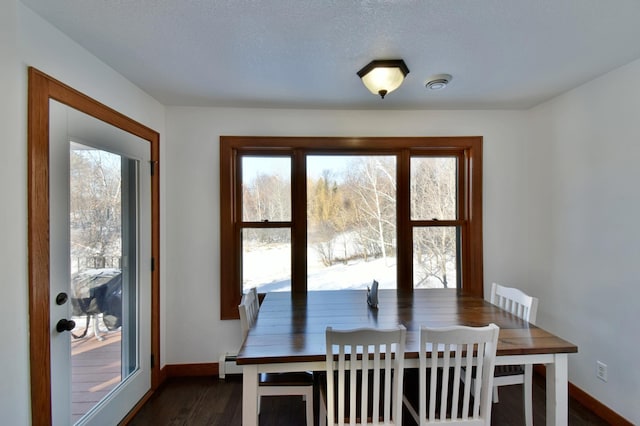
[(445, 351), (276, 384), (523, 306), (248, 316), (376, 374), (248, 310)]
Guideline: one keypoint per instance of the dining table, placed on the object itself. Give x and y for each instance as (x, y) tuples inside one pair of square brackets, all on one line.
[(289, 335)]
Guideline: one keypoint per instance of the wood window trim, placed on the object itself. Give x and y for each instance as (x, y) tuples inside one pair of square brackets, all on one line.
[(469, 149)]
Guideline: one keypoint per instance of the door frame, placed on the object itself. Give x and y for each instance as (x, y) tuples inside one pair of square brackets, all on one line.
[(42, 88)]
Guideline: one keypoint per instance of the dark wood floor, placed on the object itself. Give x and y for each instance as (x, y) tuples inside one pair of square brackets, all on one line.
[(208, 401)]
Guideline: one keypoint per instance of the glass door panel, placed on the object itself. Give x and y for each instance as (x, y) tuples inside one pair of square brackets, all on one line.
[(102, 235)]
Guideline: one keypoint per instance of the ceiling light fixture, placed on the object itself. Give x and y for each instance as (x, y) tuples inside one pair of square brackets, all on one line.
[(383, 76), (438, 81)]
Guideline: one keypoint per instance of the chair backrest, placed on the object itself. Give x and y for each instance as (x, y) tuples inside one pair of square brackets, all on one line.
[(365, 355), (248, 309), (457, 350), (515, 301)]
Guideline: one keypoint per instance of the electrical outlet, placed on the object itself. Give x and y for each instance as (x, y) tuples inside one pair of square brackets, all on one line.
[(601, 371)]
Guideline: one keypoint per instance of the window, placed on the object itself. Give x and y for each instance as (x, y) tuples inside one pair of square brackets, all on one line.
[(303, 214), (265, 228), (351, 221)]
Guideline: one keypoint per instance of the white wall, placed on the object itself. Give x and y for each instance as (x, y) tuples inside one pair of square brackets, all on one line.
[(194, 332), (590, 292), (14, 351), (27, 40)]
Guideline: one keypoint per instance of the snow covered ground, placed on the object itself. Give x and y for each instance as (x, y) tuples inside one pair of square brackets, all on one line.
[(268, 269)]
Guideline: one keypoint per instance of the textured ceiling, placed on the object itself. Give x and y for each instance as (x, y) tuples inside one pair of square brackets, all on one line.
[(305, 53)]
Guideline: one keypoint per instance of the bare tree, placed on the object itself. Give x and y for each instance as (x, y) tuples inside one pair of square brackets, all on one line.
[(267, 197), (433, 196), (95, 205), (326, 216), (372, 184)]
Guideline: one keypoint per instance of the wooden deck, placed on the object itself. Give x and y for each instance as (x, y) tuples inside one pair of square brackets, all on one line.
[(96, 370)]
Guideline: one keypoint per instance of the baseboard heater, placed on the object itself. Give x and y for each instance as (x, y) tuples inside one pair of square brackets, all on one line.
[(227, 365)]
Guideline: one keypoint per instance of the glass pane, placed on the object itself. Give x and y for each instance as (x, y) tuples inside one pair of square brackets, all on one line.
[(435, 257), (103, 223), (266, 259), (266, 189), (351, 221), (433, 188)]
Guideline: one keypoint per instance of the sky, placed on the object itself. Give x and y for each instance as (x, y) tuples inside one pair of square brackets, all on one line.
[(316, 164)]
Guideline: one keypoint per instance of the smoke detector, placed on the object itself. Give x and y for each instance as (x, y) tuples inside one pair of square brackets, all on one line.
[(438, 81)]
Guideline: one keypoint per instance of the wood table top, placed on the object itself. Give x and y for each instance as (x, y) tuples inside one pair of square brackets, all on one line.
[(291, 328)]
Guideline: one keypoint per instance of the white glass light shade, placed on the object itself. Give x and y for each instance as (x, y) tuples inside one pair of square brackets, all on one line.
[(383, 76), (378, 79)]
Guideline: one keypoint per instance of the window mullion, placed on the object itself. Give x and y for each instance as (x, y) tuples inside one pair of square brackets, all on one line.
[(404, 228), (299, 222), (265, 224), (426, 223)]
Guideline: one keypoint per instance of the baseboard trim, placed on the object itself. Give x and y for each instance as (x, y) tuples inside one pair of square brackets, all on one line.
[(598, 408), (188, 370), (590, 403)]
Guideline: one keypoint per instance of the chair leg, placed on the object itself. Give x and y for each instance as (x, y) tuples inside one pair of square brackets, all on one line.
[(495, 395), (309, 404), (528, 394), (322, 413), (259, 401), (96, 328)]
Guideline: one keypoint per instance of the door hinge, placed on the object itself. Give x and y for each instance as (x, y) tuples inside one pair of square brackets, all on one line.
[(153, 264), (153, 163), (153, 361)]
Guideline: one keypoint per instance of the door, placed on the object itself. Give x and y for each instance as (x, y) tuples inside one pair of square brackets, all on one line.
[(100, 268)]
